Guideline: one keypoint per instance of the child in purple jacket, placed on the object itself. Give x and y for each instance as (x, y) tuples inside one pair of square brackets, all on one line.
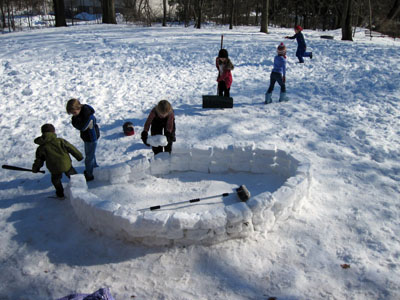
[(278, 74)]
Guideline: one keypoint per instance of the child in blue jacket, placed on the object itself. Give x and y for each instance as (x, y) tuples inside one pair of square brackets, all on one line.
[(278, 74), (84, 120), (301, 44)]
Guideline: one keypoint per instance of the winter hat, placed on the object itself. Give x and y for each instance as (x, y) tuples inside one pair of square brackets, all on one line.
[(281, 49), (128, 128), (48, 128), (298, 27), (223, 53)]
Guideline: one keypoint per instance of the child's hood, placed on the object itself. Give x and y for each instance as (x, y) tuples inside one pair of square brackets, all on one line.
[(45, 138)]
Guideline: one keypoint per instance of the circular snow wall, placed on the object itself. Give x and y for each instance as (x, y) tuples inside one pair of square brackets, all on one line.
[(170, 227)]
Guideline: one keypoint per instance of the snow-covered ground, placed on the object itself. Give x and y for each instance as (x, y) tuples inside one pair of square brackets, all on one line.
[(344, 117)]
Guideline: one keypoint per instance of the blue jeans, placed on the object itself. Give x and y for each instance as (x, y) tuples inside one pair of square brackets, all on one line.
[(90, 157)]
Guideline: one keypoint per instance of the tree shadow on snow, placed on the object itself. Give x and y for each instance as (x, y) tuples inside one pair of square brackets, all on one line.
[(235, 278), (50, 225)]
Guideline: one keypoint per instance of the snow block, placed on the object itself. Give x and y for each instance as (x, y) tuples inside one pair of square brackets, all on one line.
[(238, 212), (150, 223), (78, 181), (101, 174), (216, 218), (221, 160), (139, 167), (201, 158), (160, 164), (119, 173), (180, 161), (234, 229), (199, 234), (183, 220), (287, 197), (157, 140)]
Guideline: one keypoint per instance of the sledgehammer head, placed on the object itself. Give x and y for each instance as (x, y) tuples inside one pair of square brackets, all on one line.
[(243, 193)]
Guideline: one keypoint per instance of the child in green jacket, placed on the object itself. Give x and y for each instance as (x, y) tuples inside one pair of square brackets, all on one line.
[(55, 152)]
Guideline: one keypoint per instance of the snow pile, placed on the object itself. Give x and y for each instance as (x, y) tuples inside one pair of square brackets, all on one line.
[(168, 227)]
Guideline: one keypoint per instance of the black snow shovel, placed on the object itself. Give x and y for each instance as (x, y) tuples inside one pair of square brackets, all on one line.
[(242, 192)]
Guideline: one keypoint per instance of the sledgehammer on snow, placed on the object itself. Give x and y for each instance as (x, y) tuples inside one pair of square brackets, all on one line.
[(242, 192)]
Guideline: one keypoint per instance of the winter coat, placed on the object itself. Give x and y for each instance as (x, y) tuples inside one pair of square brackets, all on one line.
[(86, 123), (301, 43), (226, 74), (279, 65), (55, 152), (158, 124)]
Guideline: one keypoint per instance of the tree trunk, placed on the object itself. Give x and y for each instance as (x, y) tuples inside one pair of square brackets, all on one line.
[(393, 13), (3, 17), (186, 12), (108, 8), (264, 16), (346, 20), (164, 21), (231, 14), (59, 13), (199, 12)]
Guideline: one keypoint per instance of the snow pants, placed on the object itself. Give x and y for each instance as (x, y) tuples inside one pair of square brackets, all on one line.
[(222, 89), (300, 53), (56, 181), (276, 77)]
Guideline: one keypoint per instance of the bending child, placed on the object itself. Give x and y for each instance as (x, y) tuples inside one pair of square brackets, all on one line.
[(84, 120), (301, 44), (224, 66), (162, 121), (55, 152), (278, 74)]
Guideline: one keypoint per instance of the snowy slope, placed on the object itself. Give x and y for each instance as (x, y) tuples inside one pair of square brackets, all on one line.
[(344, 117)]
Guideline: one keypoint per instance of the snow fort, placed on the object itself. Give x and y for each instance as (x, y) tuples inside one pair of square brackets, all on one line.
[(118, 202)]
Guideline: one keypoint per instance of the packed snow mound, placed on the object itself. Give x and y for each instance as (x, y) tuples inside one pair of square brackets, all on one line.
[(234, 219)]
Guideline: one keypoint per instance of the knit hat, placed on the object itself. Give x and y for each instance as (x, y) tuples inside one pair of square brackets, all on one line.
[(281, 49), (48, 128), (128, 128), (223, 53), (298, 27)]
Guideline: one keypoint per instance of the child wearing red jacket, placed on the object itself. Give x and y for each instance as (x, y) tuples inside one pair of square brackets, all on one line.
[(224, 66)]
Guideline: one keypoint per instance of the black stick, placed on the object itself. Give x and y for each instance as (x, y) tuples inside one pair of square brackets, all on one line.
[(14, 168)]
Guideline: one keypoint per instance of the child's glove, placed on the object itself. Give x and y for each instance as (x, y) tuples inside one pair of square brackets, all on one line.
[(170, 137), (144, 137)]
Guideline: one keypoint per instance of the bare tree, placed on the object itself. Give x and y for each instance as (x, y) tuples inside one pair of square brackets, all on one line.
[(386, 22), (199, 12), (108, 8), (346, 20), (264, 16), (59, 13), (231, 14), (164, 21)]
